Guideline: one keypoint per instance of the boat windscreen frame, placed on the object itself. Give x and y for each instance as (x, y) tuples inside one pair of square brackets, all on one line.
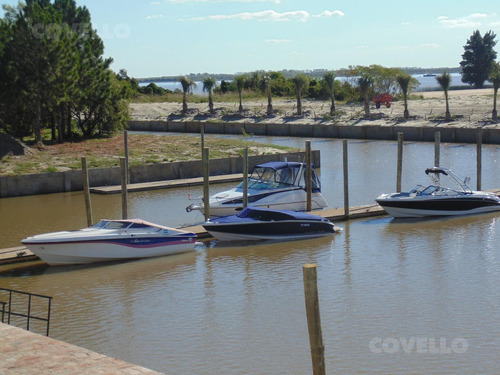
[(435, 172)]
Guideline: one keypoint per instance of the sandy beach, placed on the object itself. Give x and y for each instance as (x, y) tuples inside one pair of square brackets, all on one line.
[(469, 108)]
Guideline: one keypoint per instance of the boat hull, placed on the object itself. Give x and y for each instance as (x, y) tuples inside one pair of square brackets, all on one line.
[(451, 206), (81, 252), (287, 229), (292, 200)]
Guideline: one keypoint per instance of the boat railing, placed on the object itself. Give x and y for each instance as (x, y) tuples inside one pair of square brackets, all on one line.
[(27, 302)]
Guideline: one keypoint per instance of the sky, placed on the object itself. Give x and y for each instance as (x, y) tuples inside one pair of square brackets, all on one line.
[(151, 38)]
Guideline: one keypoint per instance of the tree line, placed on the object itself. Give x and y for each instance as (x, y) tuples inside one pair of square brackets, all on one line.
[(53, 74)]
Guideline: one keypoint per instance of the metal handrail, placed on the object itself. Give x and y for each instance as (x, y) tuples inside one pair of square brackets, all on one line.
[(28, 316)]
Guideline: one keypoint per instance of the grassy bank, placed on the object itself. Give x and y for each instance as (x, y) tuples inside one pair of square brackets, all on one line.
[(143, 149)]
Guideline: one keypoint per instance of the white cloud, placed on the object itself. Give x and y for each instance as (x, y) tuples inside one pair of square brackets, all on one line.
[(278, 41), (329, 14), (269, 16), (155, 16), (474, 20)]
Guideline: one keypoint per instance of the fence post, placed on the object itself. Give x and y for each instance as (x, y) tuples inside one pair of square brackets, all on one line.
[(313, 319), (125, 141), (86, 191)]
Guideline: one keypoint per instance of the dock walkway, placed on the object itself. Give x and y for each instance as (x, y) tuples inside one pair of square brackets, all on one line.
[(27, 353), (155, 185)]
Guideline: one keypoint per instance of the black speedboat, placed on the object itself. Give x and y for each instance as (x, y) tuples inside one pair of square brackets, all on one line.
[(266, 224), (438, 200)]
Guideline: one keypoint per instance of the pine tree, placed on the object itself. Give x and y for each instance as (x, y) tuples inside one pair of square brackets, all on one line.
[(477, 58)]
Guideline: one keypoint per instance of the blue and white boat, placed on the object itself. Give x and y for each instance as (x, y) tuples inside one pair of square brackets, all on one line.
[(437, 199), (265, 224), (276, 185), (110, 240)]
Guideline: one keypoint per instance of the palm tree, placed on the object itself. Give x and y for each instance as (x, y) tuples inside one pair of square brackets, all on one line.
[(209, 85), (404, 83), (365, 82), (301, 82), (240, 83), (266, 88), (187, 85), (495, 79), (329, 79), (444, 81)]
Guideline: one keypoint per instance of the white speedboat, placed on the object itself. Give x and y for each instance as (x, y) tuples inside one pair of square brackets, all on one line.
[(264, 224), (110, 240), (275, 185), (438, 200)]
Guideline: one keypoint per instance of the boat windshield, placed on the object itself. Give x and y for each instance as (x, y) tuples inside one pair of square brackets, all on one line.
[(108, 224), (263, 178)]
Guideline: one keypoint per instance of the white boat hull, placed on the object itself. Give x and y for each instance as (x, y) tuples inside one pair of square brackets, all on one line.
[(292, 200), (97, 251)]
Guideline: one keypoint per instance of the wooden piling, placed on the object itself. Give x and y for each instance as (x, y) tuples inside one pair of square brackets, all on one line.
[(202, 135), (124, 178), (206, 191), (479, 157), (125, 142), (313, 319), (346, 177), (86, 191), (400, 162), (245, 177), (308, 177), (437, 148)]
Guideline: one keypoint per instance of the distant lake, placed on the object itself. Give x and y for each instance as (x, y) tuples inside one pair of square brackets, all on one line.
[(426, 83)]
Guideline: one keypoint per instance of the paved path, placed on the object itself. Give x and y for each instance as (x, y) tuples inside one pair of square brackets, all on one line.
[(27, 353)]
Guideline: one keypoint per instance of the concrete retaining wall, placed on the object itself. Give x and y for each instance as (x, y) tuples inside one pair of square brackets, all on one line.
[(410, 133), (58, 182)]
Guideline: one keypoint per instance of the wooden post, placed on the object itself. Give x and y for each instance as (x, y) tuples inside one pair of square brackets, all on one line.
[(437, 148), (346, 178), (125, 142), (308, 176), (86, 191), (202, 133), (124, 176), (245, 177), (313, 319), (400, 162), (206, 191), (479, 156)]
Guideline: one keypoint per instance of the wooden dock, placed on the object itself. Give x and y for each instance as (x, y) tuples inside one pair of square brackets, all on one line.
[(168, 184), (20, 254)]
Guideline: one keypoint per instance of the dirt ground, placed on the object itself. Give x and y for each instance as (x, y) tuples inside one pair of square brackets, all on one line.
[(469, 108)]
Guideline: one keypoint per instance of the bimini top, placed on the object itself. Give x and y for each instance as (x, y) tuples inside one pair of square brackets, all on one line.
[(280, 165), (266, 214)]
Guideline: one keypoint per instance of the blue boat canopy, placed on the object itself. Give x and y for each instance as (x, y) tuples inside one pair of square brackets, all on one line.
[(276, 165)]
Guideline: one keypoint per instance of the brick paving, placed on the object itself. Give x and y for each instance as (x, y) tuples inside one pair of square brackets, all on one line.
[(27, 353)]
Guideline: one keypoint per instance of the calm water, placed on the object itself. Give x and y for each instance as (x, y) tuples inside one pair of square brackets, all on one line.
[(396, 297)]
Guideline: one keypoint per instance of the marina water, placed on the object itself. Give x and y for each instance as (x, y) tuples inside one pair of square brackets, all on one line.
[(396, 297)]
